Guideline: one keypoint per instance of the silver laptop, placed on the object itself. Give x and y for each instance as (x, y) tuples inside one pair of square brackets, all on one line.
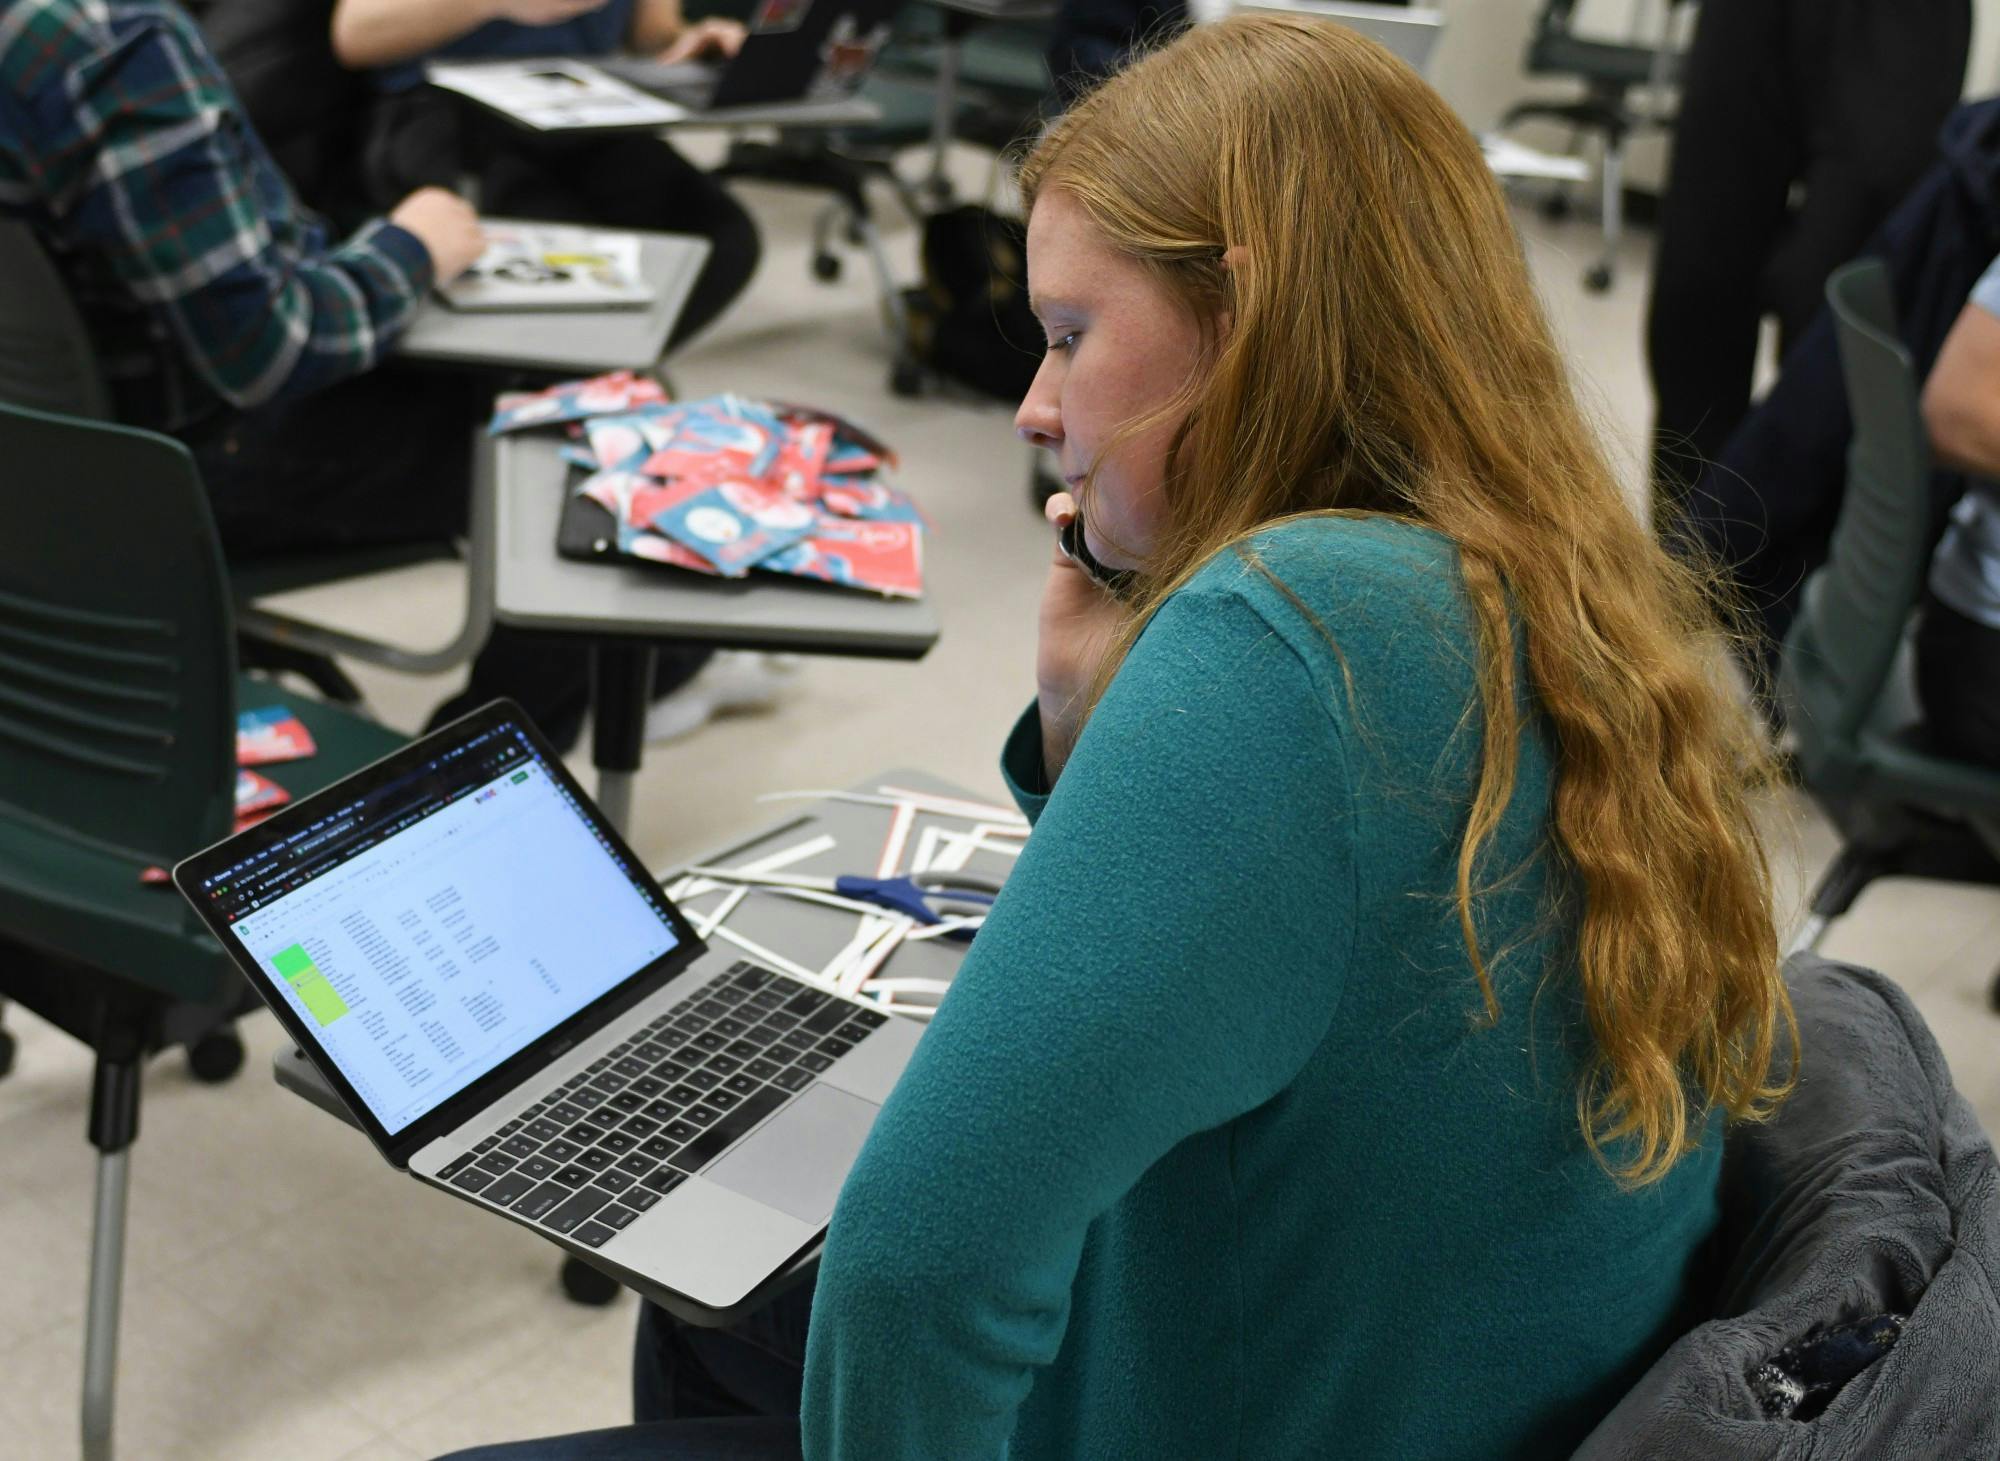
[(1410, 31), (517, 1014)]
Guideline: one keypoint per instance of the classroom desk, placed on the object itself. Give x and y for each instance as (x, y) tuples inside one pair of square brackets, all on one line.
[(571, 342), (623, 612), (806, 933), (813, 114)]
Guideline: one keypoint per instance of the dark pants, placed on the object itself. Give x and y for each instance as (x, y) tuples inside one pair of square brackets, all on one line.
[(1841, 97), (422, 138), (1958, 684), (698, 1394), (386, 458)]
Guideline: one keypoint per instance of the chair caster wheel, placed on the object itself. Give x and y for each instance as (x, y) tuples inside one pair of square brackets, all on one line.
[(826, 267), (907, 378), (215, 1057), (6, 1051), (1597, 278), (585, 1285)]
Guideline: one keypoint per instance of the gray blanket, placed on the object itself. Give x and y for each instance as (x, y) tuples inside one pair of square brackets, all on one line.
[(1873, 1192)]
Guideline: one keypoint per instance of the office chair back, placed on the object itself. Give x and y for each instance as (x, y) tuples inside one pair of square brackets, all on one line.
[(117, 661), (46, 359), (1556, 49), (1845, 641)]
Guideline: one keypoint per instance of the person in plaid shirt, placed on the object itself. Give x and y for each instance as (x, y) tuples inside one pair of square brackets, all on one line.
[(218, 305), (225, 313)]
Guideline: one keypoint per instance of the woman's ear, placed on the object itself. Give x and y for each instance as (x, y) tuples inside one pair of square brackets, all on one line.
[(1233, 258)]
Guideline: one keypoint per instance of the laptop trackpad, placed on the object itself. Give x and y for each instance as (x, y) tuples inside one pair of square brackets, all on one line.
[(797, 1161)]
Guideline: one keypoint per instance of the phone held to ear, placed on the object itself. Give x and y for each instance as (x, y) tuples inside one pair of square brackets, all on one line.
[(1075, 547)]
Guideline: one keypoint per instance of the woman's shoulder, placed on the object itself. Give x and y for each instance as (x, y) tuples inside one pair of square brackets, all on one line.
[(1360, 578)]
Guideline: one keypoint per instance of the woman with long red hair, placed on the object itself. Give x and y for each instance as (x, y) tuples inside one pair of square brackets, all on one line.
[(1344, 1070)]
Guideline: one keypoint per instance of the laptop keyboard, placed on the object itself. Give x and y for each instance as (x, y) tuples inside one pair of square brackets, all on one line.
[(599, 1150)]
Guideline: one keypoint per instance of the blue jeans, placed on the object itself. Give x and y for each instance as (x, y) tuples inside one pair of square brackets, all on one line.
[(698, 1394)]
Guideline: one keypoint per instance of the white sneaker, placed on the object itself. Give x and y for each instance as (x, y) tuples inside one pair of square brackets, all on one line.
[(733, 682)]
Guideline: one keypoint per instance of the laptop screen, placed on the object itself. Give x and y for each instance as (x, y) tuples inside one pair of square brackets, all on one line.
[(433, 926)]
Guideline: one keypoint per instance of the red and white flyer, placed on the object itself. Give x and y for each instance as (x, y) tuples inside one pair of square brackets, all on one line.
[(887, 557)]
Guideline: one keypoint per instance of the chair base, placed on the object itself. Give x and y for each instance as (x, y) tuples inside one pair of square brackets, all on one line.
[(1921, 846)]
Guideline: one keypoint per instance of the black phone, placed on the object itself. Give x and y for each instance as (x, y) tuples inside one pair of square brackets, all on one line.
[(1075, 547)]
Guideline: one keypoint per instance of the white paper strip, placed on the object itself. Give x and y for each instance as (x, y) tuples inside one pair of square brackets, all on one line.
[(831, 900), (938, 806), (785, 856), (907, 986), (865, 967), (692, 886), (952, 806), (776, 961), (927, 850), (897, 840), (706, 927), (954, 849), (939, 930), (866, 932)]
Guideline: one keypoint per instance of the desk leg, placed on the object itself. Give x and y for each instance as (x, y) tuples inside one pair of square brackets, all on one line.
[(621, 692), (945, 112)]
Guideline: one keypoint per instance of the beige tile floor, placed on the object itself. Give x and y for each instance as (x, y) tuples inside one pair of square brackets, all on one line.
[(287, 1297)]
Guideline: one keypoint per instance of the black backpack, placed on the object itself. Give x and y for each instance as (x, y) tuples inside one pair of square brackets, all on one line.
[(970, 320)]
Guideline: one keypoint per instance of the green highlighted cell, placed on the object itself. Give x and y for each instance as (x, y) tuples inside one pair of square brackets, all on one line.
[(296, 965)]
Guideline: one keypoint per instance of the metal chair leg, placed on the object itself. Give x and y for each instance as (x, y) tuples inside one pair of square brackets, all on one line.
[(1599, 276), (114, 1124), (1852, 869), (107, 1282), (1807, 939)]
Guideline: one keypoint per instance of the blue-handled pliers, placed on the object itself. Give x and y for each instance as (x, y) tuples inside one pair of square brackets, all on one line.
[(909, 896)]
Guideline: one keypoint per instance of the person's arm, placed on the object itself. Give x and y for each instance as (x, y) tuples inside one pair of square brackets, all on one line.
[(1167, 954), (1962, 396), (660, 28), (656, 24), (369, 33), (172, 194)]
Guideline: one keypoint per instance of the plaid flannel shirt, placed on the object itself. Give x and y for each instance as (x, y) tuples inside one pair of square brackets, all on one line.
[(201, 278)]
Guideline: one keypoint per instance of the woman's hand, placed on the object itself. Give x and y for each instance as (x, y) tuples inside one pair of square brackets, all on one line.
[(714, 36), (1078, 622)]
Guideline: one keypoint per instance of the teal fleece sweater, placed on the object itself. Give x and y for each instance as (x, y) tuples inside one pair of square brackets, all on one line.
[(1207, 1153)]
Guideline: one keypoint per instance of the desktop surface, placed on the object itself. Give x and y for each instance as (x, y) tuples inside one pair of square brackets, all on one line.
[(536, 589)]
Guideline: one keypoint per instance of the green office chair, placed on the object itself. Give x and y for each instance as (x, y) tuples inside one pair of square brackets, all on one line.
[(118, 700), (1610, 72), (1845, 676), (47, 362)]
